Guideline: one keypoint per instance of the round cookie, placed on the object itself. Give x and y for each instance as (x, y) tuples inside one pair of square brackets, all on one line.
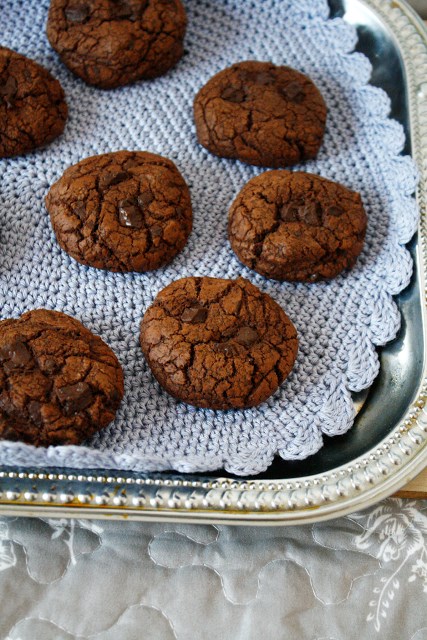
[(59, 383), (121, 211), (260, 113), (111, 43), (218, 344), (33, 110), (296, 226)]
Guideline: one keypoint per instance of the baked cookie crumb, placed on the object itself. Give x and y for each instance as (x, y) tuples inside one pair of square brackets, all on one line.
[(33, 110), (121, 211), (262, 114), (218, 344), (59, 382), (111, 43), (297, 226)]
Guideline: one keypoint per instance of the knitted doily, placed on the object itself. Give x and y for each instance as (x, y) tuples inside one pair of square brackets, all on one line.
[(339, 322)]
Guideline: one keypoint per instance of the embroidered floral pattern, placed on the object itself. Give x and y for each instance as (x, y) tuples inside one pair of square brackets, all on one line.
[(396, 534), (65, 529), (7, 553)]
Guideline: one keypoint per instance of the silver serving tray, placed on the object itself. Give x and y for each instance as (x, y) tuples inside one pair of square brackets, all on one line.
[(386, 446)]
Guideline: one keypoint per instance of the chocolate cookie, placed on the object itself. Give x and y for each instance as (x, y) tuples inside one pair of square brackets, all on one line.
[(122, 211), (110, 43), (32, 105), (59, 383), (296, 226), (262, 114), (219, 344)]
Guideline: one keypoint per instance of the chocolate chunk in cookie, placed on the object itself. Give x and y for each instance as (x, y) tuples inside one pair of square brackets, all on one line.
[(32, 105), (111, 43), (59, 383), (297, 226), (261, 114), (122, 211), (218, 344)]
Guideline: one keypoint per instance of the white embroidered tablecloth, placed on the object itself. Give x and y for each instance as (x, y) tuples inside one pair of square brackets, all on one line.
[(362, 576)]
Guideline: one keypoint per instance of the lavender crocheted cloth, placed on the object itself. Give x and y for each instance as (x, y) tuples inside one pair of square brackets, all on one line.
[(339, 323)]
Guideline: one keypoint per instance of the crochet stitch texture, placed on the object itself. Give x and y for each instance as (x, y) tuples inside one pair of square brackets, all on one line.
[(339, 323)]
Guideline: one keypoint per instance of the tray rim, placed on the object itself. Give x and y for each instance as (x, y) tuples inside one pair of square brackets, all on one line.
[(356, 485)]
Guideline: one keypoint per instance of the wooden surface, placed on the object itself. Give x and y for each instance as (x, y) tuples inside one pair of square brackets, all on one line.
[(417, 488)]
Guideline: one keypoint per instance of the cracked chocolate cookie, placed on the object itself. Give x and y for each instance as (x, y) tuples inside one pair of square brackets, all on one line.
[(296, 226), (59, 383), (111, 43), (121, 211), (218, 344), (32, 105), (261, 114)]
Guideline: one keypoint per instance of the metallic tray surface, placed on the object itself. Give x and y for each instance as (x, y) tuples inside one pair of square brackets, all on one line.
[(386, 447)]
